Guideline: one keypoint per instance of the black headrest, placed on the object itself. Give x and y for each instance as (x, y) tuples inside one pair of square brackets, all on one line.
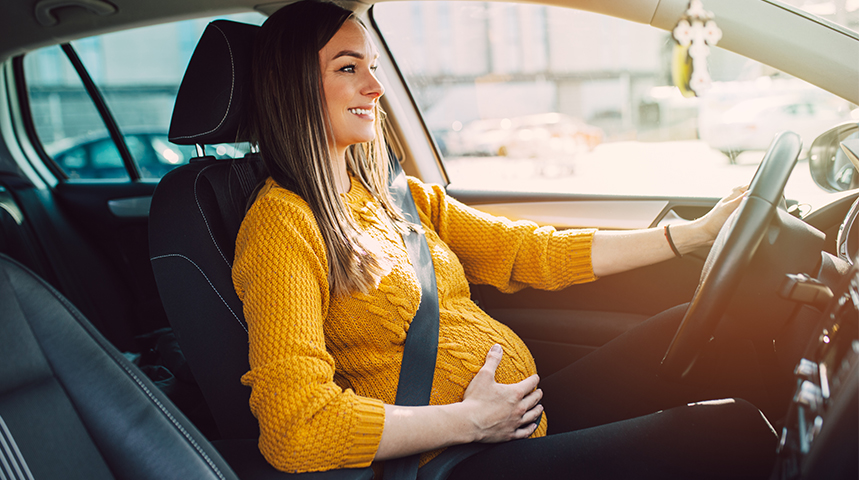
[(213, 94)]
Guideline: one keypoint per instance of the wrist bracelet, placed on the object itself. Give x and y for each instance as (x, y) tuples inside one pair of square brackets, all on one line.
[(671, 243)]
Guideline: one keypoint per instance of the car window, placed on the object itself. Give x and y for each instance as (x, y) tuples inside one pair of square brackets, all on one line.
[(66, 120), (73, 160), (137, 73), (841, 12), (540, 98)]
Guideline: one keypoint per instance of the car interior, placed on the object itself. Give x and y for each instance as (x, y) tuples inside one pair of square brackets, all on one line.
[(123, 339)]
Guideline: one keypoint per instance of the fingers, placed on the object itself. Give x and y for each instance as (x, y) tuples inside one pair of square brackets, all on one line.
[(533, 415), (734, 200), (737, 193), (529, 424), (524, 431), (528, 385), (494, 357), (503, 411), (533, 398), (525, 388), (531, 406)]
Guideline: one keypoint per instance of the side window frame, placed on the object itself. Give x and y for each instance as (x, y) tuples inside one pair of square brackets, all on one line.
[(104, 112), (98, 101), (27, 119)]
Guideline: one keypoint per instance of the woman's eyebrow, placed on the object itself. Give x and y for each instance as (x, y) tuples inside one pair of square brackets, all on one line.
[(353, 53), (349, 53)]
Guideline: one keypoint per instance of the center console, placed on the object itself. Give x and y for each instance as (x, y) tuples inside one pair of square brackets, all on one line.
[(820, 437)]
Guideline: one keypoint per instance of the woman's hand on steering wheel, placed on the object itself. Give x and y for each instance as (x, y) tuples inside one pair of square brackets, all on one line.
[(732, 253), (500, 412), (713, 221)]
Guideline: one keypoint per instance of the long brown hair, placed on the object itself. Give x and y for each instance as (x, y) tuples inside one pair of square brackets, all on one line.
[(288, 121)]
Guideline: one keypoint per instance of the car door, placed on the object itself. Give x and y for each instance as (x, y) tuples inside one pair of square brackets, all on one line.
[(570, 119)]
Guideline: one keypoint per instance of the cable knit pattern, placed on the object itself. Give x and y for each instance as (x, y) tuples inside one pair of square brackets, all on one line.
[(322, 366)]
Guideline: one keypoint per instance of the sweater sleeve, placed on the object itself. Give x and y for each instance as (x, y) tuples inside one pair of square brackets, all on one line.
[(506, 254), (307, 422)]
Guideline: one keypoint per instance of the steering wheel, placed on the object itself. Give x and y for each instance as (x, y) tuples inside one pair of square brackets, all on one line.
[(731, 254)]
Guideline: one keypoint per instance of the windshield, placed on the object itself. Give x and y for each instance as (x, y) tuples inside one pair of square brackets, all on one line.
[(539, 98), (841, 12)]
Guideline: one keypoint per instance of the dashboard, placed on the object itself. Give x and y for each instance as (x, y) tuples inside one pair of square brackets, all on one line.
[(824, 409)]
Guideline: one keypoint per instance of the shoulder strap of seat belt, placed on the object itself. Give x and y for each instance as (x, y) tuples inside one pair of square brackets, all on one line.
[(422, 339)]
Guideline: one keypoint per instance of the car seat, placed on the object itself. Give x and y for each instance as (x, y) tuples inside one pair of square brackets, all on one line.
[(73, 407), (194, 219), (195, 216)]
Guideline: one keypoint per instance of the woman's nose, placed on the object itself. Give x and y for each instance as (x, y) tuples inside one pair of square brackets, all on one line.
[(373, 88)]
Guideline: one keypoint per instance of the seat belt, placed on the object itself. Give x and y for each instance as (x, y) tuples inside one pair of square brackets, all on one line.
[(422, 339)]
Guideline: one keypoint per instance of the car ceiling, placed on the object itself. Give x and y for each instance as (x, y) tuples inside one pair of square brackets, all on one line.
[(787, 39)]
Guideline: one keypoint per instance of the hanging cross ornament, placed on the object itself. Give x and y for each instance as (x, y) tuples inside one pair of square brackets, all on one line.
[(695, 32)]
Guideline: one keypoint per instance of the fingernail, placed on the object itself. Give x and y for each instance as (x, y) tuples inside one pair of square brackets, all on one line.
[(496, 348)]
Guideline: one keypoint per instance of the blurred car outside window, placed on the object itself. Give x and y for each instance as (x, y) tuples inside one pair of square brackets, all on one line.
[(138, 73), (543, 98)]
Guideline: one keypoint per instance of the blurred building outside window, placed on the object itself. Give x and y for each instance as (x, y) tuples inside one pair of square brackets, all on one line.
[(544, 98)]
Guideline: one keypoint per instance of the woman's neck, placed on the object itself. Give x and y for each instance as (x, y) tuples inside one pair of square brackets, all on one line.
[(341, 179)]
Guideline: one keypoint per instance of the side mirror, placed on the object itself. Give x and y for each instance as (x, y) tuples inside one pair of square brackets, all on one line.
[(833, 158)]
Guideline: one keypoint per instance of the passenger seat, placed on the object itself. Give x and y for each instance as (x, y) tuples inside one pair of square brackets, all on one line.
[(73, 407)]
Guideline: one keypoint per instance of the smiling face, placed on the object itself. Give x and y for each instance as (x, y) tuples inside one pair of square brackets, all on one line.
[(348, 62)]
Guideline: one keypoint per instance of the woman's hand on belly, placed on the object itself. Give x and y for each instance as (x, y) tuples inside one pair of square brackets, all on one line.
[(490, 412), (500, 412)]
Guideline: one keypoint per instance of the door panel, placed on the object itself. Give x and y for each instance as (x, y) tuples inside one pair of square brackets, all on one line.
[(600, 214), (121, 242), (570, 323), (570, 210), (561, 327)]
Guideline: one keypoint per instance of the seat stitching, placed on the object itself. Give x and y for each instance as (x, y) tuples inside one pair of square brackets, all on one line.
[(205, 220), (232, 85), (13, 454), (207, 280), (171, 418), (77, 315)]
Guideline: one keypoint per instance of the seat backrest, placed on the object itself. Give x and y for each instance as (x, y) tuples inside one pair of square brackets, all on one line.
[(72, 406), (194, 219)]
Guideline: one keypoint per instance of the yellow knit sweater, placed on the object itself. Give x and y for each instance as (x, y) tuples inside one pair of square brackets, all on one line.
[(322, 366)]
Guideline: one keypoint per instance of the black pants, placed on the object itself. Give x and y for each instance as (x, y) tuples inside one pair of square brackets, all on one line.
[(610, 415)]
